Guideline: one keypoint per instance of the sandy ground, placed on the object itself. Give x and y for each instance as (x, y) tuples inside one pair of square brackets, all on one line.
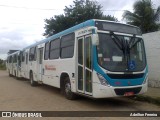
[(18, 95)]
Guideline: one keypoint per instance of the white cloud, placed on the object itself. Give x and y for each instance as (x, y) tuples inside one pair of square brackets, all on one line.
[(22, 21)]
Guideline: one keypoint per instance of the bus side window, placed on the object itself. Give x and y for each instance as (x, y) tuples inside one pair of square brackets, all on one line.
[(35, 54), (32, 54), (54, 49), (23, 56), (67, 46), (27, 58), (46, 53), (10, 59), (14, 58)]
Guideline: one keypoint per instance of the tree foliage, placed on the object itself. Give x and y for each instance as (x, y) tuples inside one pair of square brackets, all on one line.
[(1, 61), (80, 11), (144, 16), (2, 65)]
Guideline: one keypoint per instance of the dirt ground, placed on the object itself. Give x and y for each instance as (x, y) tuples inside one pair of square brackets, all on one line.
[(18, 95)]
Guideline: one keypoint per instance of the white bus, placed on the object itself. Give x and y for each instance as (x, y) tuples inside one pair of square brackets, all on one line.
[(96, 58), (14, 64)]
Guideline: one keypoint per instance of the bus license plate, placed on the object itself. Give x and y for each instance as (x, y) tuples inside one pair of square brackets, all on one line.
[(129, 94)]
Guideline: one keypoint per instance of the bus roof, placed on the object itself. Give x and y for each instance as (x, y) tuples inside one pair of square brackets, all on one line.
[(72, 29), (65, 32), (17, 52)]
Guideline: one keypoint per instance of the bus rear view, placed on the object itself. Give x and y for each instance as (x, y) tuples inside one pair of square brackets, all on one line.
[(119, 61)]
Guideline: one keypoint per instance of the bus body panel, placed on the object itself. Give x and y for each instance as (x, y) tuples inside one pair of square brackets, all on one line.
[(54, 68), (49, 71)]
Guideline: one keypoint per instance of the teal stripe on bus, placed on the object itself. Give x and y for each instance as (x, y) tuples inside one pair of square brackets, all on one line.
[(65, 32)]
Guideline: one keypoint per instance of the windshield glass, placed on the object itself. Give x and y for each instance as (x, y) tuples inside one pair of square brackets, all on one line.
[(126, 55)]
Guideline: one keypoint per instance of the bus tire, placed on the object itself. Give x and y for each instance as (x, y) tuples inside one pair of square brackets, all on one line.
[(15, 75), (32, 82), (67, 90), (9, 74)]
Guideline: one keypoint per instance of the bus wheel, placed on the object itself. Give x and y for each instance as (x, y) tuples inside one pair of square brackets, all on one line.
[(67, 90), (18, 78), (32, 82), (15, 74), (9, 74)]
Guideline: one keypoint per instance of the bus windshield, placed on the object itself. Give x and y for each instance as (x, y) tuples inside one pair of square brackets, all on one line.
[(119, 53)]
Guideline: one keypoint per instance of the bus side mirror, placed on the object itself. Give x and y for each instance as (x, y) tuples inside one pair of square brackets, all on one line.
[(95, 39)]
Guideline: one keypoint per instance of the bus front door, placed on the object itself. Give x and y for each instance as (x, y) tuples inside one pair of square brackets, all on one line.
[(84, 67)]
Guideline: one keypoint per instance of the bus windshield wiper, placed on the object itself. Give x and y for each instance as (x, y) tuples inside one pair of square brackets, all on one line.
[(121, 43), (117, 40), (133, 42), (124, 45)]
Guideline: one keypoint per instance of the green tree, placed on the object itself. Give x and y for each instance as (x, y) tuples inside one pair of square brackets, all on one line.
[(2, 65), (80, 11), (1, 61), (143, 16)]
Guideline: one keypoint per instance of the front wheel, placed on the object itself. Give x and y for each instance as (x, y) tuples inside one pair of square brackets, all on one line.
[(67, 90)]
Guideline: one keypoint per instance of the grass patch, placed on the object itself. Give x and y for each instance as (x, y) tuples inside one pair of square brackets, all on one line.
[(2, 67), (147, 99)]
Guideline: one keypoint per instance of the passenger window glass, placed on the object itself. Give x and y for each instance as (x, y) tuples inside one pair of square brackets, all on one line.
[(67, 46), (32, 54), (46, 54), (54, 49)]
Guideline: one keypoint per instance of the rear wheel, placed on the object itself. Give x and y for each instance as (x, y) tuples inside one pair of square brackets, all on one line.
[(32, 82), (15, 75), (67, 90), (9, 74)]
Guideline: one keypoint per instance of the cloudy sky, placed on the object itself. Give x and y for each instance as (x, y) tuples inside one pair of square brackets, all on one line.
[(22, 21)]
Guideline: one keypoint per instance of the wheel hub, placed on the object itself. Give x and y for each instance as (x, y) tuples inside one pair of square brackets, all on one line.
[(67, 88)]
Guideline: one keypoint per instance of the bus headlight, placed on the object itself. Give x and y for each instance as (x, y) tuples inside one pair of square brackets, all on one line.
[(102, 80)]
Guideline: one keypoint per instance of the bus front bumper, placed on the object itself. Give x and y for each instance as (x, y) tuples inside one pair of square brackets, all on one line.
[(101, 91)]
